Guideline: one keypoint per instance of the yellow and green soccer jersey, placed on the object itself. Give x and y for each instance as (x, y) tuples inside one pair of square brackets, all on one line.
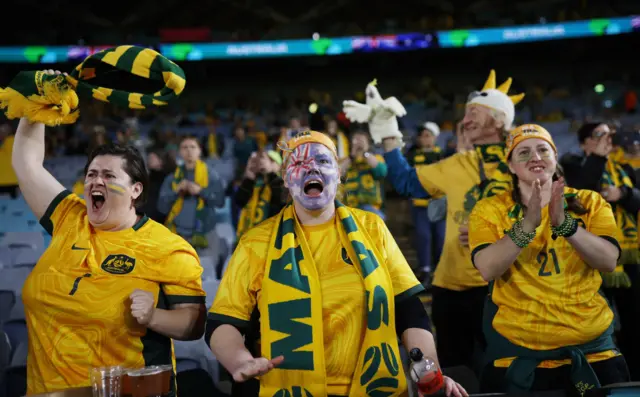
[(458, 178), (343, 304), (549, 297), (362, 186), (77, 297), (423, 157)]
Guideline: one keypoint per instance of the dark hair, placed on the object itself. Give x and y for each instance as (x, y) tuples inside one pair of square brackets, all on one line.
[(573, 204), (586, 130), (134, 165)]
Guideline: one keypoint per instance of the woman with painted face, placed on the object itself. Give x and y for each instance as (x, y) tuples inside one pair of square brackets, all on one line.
[(332, 287), (542, 247), (113, 287)]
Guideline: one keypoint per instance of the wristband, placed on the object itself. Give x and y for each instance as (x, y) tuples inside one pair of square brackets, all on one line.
[(519, 236), (568, 228)]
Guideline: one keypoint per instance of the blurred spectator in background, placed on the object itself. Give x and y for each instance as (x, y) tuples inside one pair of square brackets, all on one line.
[(243, 146), (8, 179), (189, 196), (261, 192), (594, 170), (339, 138), (214, 146), (429, 233), (159, 167), (364, 173)]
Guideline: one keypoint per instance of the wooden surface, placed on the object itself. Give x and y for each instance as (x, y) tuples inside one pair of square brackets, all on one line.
[(79, 392)]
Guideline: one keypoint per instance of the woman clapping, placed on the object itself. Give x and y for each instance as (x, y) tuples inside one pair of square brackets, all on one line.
[(542, 248)]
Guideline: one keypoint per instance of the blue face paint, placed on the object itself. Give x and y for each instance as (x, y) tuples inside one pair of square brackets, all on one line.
[(312, 176)]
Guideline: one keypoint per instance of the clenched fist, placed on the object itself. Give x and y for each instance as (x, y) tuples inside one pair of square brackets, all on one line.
[(143, 305)]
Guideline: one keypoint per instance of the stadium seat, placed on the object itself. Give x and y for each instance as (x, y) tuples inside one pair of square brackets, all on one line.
[(7, 300), (15, 381), (19, 355), (33, 240), (26, 258), (5, 356), (12, 278), (16, 330)]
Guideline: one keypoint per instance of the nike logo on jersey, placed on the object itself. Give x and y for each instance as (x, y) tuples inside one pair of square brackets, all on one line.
[(75, 248)]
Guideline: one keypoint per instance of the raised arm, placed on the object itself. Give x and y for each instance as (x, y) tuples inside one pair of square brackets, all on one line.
[(38, 186), (403, 177)]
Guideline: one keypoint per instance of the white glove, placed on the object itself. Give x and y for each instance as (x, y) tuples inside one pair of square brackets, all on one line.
[(380, 114)]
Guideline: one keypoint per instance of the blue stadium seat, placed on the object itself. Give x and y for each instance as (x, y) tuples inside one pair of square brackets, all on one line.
[(7, 301)]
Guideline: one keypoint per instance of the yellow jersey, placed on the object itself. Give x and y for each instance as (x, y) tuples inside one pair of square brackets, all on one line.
[(77, 297), (7, 175), (550, 297), (417, 156), (363, 184), (343, 306), (458, 177)]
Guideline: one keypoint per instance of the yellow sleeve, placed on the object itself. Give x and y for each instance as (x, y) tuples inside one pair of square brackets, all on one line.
[(380, 158), (405, 283), (484, 226), (436, 176), (237, 294), (602, 222), (64, 208), (185, 281)]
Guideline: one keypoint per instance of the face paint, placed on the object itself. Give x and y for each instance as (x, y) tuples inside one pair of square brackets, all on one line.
[(115, 188), (312, 165), (526, 155)]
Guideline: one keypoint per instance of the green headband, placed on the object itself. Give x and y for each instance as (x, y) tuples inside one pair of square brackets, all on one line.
[(127, 76)]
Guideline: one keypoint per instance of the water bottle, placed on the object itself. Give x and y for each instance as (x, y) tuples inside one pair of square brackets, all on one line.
[(426, 373)]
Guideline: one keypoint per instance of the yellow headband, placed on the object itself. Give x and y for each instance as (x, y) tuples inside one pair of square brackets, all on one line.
[(528, 131), (307, 136)]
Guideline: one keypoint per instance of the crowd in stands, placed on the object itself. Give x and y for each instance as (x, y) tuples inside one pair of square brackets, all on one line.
[(255, 20)]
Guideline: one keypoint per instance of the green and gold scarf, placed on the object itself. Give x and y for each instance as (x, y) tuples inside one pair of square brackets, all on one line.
[(291, 308), (127, 76), (614, 175), (201, 178), (257, 209)]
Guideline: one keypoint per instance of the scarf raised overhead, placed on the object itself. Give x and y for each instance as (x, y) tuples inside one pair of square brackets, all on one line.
[(291, 308), (614, 175), (127, 76), (201, 177)]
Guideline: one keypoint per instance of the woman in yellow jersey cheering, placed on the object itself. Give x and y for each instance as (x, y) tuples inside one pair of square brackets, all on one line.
[(333, 290), (113, 287), (542, 248)]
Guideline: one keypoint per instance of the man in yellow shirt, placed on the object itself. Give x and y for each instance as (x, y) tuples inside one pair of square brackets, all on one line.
[(332, 289), (459, 290)]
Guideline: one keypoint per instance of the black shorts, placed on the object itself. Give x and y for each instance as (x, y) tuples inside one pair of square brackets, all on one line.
[(613, 370)]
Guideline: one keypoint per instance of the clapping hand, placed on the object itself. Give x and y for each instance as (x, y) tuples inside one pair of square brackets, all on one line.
[(556, 204), (533, 217)]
